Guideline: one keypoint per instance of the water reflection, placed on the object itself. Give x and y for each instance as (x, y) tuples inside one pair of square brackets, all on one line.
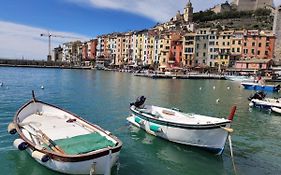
[(177, 158)]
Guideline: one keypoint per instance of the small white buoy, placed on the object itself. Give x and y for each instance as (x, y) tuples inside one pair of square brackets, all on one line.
[(228, 88), (42, 87), (214, 87), (218, 101), (200, 88), (1, 84)]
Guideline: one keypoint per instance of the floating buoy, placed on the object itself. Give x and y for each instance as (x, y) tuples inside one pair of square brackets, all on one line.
[(41, 156), (200, 88), (42, 87), (20, 144), (12, 128), (1, 84), (214, 87), (228, 88), (218, 101)]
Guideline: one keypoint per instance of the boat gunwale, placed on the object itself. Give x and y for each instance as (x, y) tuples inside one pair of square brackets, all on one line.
[(64, 157), (150, 118)]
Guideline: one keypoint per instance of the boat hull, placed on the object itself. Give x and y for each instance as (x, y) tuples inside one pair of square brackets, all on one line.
[(212, 139), (258, 87), (276, 110), (101, 165)]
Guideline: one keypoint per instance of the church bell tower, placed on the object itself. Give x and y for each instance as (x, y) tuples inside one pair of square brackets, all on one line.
[(188, 12)]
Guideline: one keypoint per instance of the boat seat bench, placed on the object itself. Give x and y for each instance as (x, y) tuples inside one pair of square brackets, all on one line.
[(84, 143)]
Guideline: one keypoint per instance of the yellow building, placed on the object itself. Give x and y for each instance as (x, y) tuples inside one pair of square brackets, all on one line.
[(164, 49), (236, 46), (188, 49), (224, 46)]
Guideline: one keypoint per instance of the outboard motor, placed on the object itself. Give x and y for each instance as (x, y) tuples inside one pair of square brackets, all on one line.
[(258, 95), (139, 102)]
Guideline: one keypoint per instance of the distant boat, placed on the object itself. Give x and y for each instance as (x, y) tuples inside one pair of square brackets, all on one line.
[(260, 87), (62, 141), (197, 130), (238, 78), (259, 100)]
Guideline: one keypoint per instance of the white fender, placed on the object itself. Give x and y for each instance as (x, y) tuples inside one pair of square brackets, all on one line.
[(20, 144), (41, 156), (12, 128)]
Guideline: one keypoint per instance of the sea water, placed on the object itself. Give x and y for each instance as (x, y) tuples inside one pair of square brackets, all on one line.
[(103, 98)]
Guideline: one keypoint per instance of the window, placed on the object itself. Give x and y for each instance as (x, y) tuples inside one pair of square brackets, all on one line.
[(204, 54), (233, 42), (259, 44), (238, 49), (253, 43), (233, 50), (266, 52), (259, 52), (245, 44), (253, 51)]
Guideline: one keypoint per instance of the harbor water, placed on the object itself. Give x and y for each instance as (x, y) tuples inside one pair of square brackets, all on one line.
[(103, 98)]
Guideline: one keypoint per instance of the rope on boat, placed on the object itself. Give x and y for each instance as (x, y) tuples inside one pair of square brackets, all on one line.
[(231, 154)]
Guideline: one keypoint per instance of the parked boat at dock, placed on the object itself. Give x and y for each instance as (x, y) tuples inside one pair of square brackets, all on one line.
[(239, 78), (260, 87), (185, 128), (62, 141)]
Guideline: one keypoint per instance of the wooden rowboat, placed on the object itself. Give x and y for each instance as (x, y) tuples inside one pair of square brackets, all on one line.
[(62, 141)]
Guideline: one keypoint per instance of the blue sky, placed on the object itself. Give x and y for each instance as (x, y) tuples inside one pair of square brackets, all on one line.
[(22, 21)]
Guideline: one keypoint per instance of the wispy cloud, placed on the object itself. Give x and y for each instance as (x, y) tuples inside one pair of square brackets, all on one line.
[(19, 41), (157, 10)]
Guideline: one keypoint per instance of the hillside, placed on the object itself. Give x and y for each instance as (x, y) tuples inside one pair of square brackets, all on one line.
[(259, 19)]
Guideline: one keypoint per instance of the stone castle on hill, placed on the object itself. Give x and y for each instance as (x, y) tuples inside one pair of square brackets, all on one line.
[(247, 5), (243, 5)]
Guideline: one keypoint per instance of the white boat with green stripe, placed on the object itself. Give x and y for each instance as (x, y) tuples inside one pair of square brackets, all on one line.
[(62, 141), (209, 133)]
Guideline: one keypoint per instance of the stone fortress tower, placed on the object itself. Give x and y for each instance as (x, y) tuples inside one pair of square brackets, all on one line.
[(277, 32), (247, 5), (188, 12)]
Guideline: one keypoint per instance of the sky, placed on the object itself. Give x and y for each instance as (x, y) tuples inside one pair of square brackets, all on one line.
[(22, 21)]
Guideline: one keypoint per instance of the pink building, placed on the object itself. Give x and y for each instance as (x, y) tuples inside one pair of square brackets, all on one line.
[(258, 44)]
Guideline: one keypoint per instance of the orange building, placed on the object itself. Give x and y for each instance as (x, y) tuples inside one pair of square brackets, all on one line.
[(258, 44), (176, 50), (89, 50)]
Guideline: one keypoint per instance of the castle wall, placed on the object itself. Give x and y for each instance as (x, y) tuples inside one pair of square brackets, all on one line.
[(277, 32)]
